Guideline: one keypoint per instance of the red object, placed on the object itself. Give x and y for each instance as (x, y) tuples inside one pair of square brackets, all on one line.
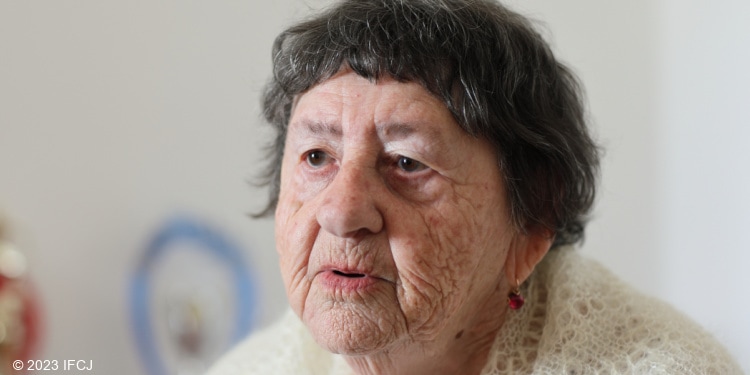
[(29, 318), (515, 299)]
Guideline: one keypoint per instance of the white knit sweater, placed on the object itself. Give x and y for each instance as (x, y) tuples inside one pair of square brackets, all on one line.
[(578, 319)]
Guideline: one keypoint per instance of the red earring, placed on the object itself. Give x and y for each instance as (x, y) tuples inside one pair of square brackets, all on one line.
[(515, 299)]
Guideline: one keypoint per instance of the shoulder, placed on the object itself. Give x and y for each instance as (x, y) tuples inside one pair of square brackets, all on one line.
[(594, 319), (285, 347)]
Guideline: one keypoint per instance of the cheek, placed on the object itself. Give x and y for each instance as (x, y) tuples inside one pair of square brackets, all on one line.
[(295, 237), (458, 233), (439, 254), (291, 228)]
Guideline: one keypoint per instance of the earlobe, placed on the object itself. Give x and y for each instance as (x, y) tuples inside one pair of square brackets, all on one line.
[(526, 251)]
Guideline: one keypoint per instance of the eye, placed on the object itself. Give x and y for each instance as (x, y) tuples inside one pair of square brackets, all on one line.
[(317, 158), (410, 165)]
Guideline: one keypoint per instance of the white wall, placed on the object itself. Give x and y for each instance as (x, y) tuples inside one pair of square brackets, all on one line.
[(116, 115), (704, 164)]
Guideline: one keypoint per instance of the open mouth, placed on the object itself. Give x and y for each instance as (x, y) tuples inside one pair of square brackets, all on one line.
[(352, 275)]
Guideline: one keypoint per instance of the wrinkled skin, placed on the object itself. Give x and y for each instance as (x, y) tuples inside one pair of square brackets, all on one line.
[(393, 229)]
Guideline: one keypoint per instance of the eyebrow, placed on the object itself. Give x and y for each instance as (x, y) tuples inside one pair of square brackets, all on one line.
[(321, 128), (400, 130), (394, 130), (386, 131)]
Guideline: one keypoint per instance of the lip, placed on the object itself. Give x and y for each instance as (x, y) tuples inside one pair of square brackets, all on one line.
[(345, 280)]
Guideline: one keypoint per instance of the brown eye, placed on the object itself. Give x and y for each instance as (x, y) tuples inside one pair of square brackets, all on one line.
[(317, 158), (410, 165)]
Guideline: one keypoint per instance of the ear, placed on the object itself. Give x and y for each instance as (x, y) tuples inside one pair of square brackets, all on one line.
[(526, 251)]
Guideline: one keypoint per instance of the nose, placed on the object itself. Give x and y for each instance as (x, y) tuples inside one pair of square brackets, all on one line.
[(349, 203)]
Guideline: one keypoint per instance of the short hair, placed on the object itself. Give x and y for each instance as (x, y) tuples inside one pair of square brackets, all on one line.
[(491, 68)]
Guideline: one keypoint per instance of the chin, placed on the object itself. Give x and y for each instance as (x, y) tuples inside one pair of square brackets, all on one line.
[(346, 329)]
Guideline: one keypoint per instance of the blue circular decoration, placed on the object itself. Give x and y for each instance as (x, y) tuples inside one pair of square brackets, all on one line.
[(182, 229)]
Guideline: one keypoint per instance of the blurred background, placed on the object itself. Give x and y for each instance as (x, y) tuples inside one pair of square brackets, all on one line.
[(119, 119)]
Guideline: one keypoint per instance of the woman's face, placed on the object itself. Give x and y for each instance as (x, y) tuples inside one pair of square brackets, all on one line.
[(392, 224)]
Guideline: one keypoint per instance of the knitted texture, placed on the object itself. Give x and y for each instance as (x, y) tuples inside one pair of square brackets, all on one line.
[(578, 319)]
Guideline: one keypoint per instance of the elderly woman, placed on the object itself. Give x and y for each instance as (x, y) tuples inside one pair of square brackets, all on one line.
[(431, 170)]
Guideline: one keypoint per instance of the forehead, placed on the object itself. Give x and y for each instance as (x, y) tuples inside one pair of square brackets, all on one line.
[(394, 108)]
